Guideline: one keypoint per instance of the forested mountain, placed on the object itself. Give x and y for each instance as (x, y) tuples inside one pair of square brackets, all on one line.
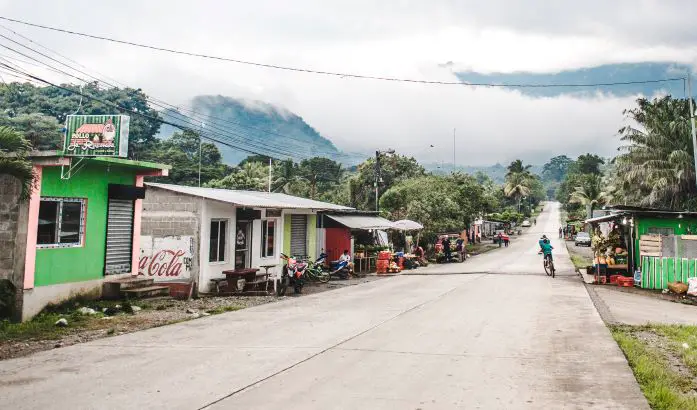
[(254, 125)]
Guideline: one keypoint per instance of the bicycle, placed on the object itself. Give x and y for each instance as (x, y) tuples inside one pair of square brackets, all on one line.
[(549, 265), (315, 272)]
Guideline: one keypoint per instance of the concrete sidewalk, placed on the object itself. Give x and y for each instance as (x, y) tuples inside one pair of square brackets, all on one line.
[(618, 307)]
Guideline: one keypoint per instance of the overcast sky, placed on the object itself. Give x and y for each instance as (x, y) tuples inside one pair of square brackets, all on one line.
[(410, 39)]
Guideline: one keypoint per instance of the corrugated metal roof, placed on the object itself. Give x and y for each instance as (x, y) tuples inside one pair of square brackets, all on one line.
[(251, 199), (362, 222)]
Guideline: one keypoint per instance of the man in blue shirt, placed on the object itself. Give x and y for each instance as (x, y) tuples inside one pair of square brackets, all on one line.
[(546, 248)]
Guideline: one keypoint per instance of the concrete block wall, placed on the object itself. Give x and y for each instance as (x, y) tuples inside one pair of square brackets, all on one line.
[(9, 218), (167, 213), (13, 235)]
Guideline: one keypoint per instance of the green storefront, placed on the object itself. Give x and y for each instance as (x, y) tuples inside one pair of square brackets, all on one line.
[(83, 225), (673, 253)]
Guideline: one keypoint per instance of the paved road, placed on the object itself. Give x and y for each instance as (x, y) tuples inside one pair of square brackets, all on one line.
[(505, 337)]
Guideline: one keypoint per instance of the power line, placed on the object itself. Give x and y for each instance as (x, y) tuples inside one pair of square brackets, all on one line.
[(332, 73), (151, 99), (214, 138), (242, 141)]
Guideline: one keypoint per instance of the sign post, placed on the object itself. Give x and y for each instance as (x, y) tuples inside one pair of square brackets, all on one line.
[(96, 135)]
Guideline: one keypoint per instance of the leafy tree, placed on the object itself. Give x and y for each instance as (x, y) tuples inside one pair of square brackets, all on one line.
[(656, 164), (181, 151), (517, 186), (13, 162), (252, 176), (394, 168), (588, 193), (17, 99), (589, 164), (517, 167), (557, 168), (42, 132), (320, 173), (432, 200)]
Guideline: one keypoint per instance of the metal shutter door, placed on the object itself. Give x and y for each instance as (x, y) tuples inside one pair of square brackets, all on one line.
[(298, 235), (119, 236)]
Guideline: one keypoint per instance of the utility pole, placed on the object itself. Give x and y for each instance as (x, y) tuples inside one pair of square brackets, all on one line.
[(453, 149), (692, 118), (200, 153), (377, 180), (270, 165)]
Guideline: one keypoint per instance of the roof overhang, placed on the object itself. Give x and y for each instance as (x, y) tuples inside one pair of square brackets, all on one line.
[(251, 199)]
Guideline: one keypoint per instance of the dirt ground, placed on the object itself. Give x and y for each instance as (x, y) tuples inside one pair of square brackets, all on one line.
[(42, 334)]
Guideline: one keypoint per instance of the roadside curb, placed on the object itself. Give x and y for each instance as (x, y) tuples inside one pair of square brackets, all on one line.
[(600, 306)]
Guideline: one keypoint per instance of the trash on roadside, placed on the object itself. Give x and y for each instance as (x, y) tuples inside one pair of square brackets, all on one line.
[(86, 311), (62, 322)]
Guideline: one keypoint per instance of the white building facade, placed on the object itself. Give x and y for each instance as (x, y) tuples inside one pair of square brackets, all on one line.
[(229, 229)]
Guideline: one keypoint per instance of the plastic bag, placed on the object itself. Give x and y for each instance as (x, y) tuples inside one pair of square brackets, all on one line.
[(692, 286), (678, 287)]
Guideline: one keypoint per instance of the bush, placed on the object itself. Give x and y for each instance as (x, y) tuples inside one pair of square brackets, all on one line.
[(8, 297)]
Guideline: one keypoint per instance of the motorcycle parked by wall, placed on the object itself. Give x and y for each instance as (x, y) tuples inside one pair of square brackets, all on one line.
[(293, 274), (335, 269)]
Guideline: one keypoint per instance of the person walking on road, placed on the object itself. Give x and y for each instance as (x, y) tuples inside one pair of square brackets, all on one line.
[(560, 232), (446, 248)]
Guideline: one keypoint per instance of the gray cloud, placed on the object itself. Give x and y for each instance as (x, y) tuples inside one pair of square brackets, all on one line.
[(394, 38)]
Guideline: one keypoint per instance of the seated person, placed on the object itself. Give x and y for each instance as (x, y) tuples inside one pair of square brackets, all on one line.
[(345, 260)]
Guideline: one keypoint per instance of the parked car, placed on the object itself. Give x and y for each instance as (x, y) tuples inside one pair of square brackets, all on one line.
[(526, 224), (582, 239)]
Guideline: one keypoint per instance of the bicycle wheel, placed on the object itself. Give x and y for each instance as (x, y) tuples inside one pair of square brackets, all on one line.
[(546, 265), (551, 268)]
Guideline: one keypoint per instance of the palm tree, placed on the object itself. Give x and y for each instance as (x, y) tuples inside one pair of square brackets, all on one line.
[(656, 163), (589, 193), (517, 167), (13, 150), (517, 186)]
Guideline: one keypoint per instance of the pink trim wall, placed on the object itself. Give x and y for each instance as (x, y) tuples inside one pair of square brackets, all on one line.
[(32, 229), (137, 211)]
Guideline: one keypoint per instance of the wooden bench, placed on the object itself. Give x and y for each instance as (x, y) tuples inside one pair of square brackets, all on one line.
[(252, 278)]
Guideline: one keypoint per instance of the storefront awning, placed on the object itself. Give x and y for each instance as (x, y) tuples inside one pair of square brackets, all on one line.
[(606, 218), (362, 221)]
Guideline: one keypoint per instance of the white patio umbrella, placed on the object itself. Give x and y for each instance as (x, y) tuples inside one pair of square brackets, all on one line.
[(407, 225)]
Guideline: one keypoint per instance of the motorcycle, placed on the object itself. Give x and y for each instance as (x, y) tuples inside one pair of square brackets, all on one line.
[(293, 274), (337, 269)]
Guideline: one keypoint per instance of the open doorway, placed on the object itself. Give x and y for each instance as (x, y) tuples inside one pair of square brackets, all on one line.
[(243, 240)]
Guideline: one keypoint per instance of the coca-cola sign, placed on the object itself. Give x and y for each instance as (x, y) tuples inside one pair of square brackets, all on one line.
[(165, 258)]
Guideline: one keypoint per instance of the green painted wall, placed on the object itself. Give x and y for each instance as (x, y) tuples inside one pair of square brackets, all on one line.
[(286, 234), (312, 237), (63, 265), (683, 226)]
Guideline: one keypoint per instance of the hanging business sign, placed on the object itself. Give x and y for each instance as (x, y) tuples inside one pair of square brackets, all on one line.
[(96, 135)]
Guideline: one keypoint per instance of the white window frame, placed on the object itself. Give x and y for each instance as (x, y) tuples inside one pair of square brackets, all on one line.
[(227, 242), (59, 222), (264, 236)]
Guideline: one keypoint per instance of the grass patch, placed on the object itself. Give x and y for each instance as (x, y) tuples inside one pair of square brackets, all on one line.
[(43, 326), (663, 386), (580, 262), (224, 309)]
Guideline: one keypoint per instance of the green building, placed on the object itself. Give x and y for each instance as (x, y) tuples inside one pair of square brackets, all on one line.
[(662, 245), (80, 226)]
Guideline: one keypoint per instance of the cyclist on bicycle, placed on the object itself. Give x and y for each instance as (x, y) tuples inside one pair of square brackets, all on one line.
[(546, 249)]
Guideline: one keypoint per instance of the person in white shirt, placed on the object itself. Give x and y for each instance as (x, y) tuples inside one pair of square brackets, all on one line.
[(346, 260)]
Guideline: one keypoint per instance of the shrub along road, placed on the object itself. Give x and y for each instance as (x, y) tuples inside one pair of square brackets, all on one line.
[(508, 338)]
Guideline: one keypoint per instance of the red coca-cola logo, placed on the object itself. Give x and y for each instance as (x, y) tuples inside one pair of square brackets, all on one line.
[(166, 262)]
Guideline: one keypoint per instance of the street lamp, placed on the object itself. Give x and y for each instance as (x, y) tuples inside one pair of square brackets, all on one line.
[(378, 177)]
